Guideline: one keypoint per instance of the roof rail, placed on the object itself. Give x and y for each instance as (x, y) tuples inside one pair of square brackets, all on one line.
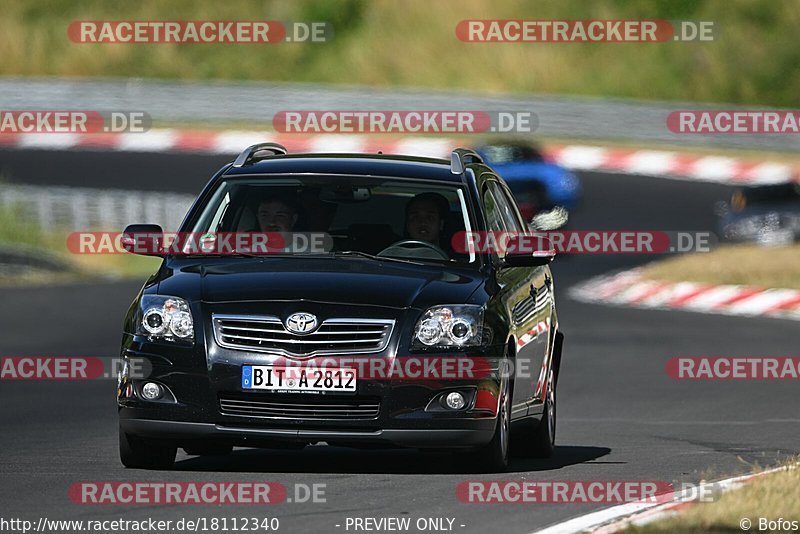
[(248, 153), (461, 157)]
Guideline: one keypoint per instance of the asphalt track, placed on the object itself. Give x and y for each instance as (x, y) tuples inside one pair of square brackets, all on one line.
[(620, 416)]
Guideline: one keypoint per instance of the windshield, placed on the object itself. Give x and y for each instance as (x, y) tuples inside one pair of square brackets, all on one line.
[(383, 217)]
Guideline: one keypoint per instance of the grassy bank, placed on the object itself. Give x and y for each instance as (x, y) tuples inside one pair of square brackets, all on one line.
[(413, 43), (749, 265), (768, 498), (20, 236)]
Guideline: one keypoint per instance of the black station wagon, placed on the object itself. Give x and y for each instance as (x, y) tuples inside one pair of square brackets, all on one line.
[(368, 325)]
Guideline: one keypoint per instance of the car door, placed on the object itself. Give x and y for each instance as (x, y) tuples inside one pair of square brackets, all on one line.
[(529, 310)]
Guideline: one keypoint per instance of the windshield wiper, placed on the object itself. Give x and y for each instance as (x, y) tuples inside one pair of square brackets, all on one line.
[(236, 255), (360, 254)]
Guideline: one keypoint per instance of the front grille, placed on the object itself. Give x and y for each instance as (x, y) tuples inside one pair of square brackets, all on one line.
[(329, 407), (333, 336)]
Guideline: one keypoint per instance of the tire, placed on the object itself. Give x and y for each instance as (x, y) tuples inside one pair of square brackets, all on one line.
[(209, 449), (139, 453), (494, 456), (543, 441)]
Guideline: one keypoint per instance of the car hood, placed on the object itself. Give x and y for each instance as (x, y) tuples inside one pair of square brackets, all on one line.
[(357, 281)]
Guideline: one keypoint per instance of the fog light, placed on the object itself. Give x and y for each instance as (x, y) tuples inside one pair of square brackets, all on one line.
[(455, 400), (152, 391)]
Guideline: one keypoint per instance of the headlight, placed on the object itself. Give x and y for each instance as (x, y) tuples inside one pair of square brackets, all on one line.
[(450, 326), (165, 317)]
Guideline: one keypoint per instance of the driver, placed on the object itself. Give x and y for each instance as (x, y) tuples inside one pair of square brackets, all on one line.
[(425, 217), (277, 214)]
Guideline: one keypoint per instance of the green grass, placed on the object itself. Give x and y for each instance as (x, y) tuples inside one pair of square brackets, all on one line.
[(16, 229), (770, 497), (20, 233), (749, 265), (413, 43)]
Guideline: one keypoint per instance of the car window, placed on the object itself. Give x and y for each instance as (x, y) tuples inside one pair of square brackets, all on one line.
[(494, 219), (506, 208)]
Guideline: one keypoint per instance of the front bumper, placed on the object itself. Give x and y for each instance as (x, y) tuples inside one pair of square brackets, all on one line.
[(201, 377), (184, 431)]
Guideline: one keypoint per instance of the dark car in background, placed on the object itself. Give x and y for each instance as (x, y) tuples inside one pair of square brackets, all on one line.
[(765, 214), (538, 184), (220, 331)]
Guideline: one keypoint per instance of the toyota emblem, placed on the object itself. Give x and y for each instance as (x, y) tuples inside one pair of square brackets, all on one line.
[(301, 323)]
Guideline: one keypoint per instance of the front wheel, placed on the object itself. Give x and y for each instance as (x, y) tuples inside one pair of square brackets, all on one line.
[(494, 456), (137, 452), (544, 438)]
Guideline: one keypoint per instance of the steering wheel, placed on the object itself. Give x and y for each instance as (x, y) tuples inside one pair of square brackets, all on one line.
[(403, 247)]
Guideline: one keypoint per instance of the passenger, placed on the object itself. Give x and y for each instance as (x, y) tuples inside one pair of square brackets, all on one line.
[(426, 214)]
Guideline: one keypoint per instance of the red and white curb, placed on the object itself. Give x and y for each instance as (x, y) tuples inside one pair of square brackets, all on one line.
[(664, 164), (630, 288), (677, 165), (616, 518)]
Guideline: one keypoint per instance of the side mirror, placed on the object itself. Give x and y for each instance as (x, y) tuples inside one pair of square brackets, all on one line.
[(549, 220), (143, 239), (521, 254)]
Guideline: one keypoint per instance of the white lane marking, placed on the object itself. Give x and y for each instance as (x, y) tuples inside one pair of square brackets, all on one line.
[(337, 143), (582, 157), (711, 299), (714, 169), (761, 302), (152, 141), (615, 518), (662, 164), (769, 173), (435, 148), (233, 142), (48, 140), (651, 162)]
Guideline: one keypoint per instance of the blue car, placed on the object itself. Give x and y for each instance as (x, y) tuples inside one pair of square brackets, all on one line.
[(537, 184)]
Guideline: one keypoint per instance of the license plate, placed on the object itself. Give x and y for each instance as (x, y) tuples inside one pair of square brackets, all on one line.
[(298, 380)]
